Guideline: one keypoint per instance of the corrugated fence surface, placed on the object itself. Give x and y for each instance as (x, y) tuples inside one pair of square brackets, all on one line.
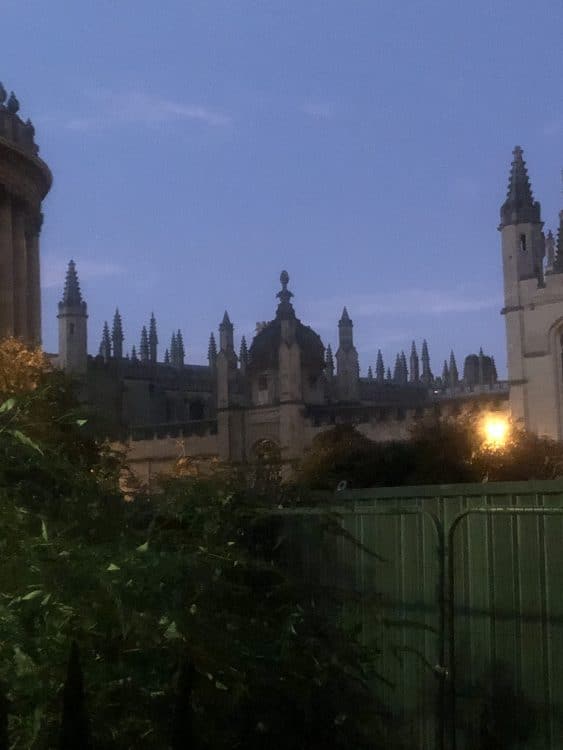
[(471, 585)]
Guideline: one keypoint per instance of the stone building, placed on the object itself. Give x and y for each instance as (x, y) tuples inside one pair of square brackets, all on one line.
[(286, 386), (533, 307), (25, 180)]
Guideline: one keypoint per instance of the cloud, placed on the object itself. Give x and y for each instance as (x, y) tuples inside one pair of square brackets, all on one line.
[(320, 110), (54, 270), (113, 109), (427, 302)]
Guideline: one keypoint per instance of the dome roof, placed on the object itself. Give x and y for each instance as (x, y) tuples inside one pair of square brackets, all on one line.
[(264, 350)]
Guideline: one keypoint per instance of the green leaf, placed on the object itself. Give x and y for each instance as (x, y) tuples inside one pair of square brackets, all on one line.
[(45, 600), (25, 440), (7, 405), (24, 663), (81, 422), (143, 547), (171, 632), (111, 567), (44, 531), (32, 595)]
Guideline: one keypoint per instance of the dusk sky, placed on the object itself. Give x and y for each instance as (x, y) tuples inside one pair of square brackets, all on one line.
[(199, 148)]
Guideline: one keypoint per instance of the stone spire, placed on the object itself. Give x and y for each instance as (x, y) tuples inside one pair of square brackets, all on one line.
[(212, 352), (117, 336), (519, 206), (454, 375), (166, 357), (388, 376), (243, 356), (180, 351), (72, 296), (370, 373), (414, 369), (445, 374), (404, 369), (134, 357), (144, 346), (285, 308), (329, 359), (173, 350), (427, 376), (397, 370), (347, 364), (153, 340), (105, 344), (226, 339), (379, 367)]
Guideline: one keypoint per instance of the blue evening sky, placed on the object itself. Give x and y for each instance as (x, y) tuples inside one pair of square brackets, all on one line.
[(198, 148)]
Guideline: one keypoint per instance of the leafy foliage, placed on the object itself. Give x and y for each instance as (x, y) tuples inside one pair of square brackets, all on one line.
[(188, 622), (440, 451)]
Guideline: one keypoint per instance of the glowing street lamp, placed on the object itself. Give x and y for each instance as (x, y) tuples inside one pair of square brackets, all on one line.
[(496, 429)]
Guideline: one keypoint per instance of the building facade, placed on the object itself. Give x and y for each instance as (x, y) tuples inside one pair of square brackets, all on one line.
[(285, 387), (25, 180)]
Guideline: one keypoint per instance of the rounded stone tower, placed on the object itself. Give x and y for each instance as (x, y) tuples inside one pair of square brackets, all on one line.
[(25, 180)]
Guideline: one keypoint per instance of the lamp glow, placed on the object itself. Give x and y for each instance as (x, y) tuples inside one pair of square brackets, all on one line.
[(496, 431)]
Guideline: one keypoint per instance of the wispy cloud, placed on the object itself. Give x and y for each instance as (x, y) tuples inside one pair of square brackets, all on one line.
[(427, 302), (54, 270), (319, 109), (107, 109)]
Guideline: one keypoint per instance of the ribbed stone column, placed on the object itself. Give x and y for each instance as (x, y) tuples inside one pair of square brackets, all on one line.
[(20, 271), (6, 267), (33, 227)]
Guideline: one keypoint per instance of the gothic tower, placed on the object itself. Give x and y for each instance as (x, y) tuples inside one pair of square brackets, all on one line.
[(25, 180), (533, 309), (347, 367), (73, 356)]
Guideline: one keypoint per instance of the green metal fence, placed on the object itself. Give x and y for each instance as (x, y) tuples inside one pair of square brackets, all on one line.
[(471, 580)]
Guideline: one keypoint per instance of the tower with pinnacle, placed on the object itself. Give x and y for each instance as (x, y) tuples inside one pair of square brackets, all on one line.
[(533, 307), (347, 366), (73, 316)]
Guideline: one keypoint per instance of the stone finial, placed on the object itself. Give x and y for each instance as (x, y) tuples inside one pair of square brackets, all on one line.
[(519, 206), (285, 308), (153, 340), (144, 346), (426, 376), (105, 345), (370, 373), (117, 336), (345, 318), (72, 296), (445, 374), (212, 351), (134, 357), (13, 104), (388, 376), (414, 365), (454, 374), (166, 357), (226, 320), (3, 94), (243, 355), (180, 351), (379, 367)]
